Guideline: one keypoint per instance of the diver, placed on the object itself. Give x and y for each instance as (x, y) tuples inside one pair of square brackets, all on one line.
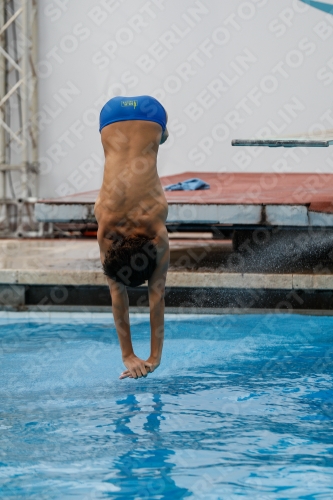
[(131, 210)]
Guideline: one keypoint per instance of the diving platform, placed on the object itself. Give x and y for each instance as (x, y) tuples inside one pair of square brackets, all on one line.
[(233, 200), (320, 139)]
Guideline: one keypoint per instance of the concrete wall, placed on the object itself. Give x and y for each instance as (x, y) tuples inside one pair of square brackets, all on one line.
[(223, 70)]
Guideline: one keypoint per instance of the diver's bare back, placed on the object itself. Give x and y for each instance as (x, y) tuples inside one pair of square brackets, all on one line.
[(131, 197)]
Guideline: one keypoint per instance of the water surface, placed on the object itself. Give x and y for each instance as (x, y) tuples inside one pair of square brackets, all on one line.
[(241, 407)]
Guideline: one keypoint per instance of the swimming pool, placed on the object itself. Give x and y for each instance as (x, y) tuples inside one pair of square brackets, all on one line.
[(241, 407)]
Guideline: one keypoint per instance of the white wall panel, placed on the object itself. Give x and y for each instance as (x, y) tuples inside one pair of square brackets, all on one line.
[(222, 70)]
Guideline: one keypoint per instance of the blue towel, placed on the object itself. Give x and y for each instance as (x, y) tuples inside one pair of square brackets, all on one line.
[(188, 185)]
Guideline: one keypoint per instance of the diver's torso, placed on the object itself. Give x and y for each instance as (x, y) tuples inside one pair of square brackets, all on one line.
[(131, 189)]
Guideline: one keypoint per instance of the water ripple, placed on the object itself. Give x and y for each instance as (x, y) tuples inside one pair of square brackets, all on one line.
[(241, 407)]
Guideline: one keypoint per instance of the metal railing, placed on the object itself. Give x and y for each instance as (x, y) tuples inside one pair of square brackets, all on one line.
[(18, 118)]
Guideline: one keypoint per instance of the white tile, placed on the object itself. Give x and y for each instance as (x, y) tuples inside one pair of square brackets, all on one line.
[(303, 281), (287, 215), (323, 282), (239, 214), (39, 316), (8, 276), (320, 219), (61, 213)]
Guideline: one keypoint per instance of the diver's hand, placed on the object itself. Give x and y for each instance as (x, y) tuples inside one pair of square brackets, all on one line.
[(153, 363), (136, 367)]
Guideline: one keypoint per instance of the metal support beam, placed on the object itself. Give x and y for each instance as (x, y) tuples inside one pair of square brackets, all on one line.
[(18, 109)]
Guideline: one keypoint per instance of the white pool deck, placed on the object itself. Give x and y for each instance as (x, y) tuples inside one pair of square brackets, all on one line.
[(76, 263)]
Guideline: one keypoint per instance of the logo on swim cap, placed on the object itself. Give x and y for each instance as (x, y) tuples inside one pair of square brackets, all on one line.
[(125, 104)]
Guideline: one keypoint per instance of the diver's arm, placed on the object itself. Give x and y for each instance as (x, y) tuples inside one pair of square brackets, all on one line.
[(136, 367), (118, 292), (156, 304), (120, 310), (156, 289)]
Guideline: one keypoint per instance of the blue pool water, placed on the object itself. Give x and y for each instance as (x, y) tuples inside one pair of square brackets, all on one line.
[(241, 407)]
